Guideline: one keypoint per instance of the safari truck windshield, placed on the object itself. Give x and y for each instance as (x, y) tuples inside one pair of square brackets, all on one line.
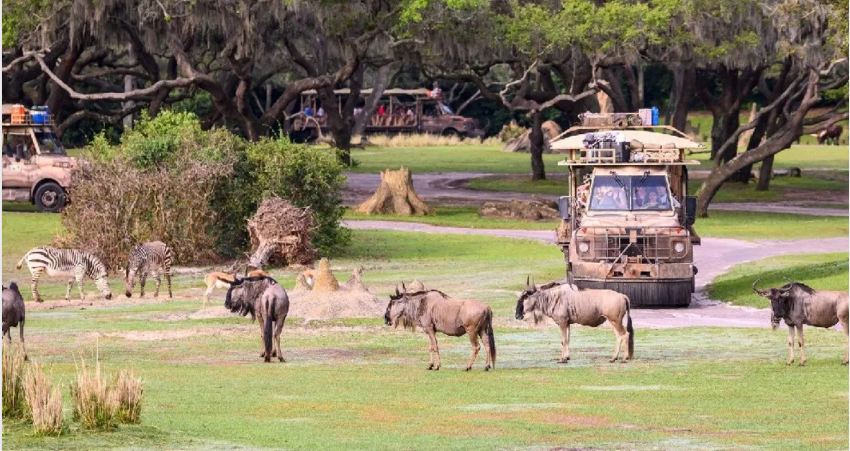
[(630, 193), (48, 143)]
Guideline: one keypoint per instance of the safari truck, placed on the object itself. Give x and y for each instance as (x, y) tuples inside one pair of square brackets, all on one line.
[(627, 223), (406, 111), (36, 168)]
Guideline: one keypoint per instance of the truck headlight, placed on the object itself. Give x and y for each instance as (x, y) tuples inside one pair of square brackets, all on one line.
[(679, 247), (583, 248)]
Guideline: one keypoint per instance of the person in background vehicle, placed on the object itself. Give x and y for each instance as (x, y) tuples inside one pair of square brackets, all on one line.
[(381, 110), (308, 112), (321, 112), (410, 112), (640, 198)]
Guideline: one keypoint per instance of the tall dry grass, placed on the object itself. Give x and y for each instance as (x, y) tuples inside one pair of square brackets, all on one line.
[(94, 406), (44, 402), (13, 383), (427, 140), (127, 394)]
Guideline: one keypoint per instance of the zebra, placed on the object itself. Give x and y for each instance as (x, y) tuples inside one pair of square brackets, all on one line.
[(148, 259), (71, 263)]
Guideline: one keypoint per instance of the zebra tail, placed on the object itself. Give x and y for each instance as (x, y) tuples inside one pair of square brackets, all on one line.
[(21, 262)]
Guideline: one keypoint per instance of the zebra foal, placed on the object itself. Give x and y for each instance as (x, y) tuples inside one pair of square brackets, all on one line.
[(71, 263), (148, 259)]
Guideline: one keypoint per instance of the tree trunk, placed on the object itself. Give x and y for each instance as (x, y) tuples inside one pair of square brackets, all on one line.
[(765, 173), (538, 172), (395, 195), (754, 141), (684, 80), (382, 80)]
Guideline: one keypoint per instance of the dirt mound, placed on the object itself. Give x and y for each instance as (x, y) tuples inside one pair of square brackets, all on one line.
[(536, 210), (327, 299), (522, 143)]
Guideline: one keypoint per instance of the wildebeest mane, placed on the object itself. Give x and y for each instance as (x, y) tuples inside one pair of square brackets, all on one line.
[(799, 285), (252, 288), (424, 292)]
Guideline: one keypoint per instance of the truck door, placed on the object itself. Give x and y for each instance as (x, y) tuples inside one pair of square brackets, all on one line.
[(18, 164)]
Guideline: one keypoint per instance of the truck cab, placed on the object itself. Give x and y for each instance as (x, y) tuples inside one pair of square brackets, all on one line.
[(36, 168), (627, 222)]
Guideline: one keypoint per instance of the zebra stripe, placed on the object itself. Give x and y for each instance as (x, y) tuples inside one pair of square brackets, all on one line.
[(147, 259), (71, 263)]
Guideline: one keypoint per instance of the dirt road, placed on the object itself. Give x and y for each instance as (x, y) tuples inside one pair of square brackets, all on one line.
[(714, 257)]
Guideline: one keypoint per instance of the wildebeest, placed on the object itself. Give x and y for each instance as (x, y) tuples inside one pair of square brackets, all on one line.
[(266, 300), (14, 313), (830, 134), (798, 304), (217, 279), (434, 312), (566, 304)]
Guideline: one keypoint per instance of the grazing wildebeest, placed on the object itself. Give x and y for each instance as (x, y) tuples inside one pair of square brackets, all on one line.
[(266, 300), (799, 304), (14, 313), (435, 312), (830, 134), (567, 304)]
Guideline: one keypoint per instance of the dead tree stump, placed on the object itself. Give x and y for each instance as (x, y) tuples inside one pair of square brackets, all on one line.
[(395, 195)]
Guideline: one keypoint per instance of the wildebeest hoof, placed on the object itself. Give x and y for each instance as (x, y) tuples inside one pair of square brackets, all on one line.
[(467, 368), (282, 360), (263, 354), (430, 367), (128, 294), (487, 368)]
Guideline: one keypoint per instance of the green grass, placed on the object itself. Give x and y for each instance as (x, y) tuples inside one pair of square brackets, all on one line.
[(480, 158), (457, 217), (355, 384), (798, 156), (769, 226), (820, 271)]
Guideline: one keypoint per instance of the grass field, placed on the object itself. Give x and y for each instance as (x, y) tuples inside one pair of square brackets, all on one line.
[(356, 384), (821, 271)]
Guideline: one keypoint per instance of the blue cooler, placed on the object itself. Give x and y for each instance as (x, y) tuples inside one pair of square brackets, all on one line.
[(40, 115), (654, 116)]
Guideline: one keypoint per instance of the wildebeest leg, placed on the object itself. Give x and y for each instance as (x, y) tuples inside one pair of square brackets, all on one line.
[(790, 345), (68, 291), (483, 336), (622, 336), (262, 322), (434, 361), (565, 343), (844, 325), (802, 345), (473, 338), (158, 280), (23, 346), (278, 329)]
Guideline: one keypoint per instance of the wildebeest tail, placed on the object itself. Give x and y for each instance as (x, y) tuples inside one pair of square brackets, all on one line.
[(490, 339), (629, 328), (267, 335)]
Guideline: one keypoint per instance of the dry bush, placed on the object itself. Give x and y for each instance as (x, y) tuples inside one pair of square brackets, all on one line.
[(510, 131), (44, 403), (426, 140), (116, 205), (94, 406), (127, 394), (13, 383), (280, 233)]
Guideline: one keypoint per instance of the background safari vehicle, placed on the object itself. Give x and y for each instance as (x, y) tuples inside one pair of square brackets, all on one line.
[(627, 224), (407, 111), (36, 168)]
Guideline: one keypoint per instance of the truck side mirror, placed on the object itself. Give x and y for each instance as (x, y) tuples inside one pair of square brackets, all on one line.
[(564, 203), (690, 210)]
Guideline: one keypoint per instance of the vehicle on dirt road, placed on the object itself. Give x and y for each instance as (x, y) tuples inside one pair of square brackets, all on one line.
[(404, 111), (623, 226), (36, 168)]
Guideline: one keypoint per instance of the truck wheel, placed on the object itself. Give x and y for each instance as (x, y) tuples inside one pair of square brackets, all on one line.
[(450, 132), (50, 197)]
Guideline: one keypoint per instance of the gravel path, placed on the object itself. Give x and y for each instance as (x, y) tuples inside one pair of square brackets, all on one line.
[(446, 188), (714, 257)]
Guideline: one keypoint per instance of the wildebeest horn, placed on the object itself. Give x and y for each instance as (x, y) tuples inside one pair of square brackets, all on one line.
[(403, 288), (527, 279), (789, 280), (396, 290), (756, 290)]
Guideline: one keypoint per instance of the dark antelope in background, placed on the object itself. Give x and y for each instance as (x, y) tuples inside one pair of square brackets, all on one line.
[(266, 300), (148, 259), (14, 313), (435, 312), (567, 304), (798, 304)]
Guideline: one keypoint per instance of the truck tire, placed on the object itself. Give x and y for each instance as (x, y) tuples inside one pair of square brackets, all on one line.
[(50, 197), (450, 132)]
